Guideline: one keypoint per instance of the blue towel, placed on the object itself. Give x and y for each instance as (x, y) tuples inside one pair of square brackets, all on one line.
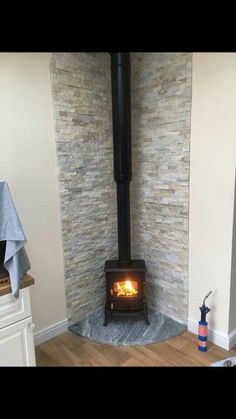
[(16, 261)]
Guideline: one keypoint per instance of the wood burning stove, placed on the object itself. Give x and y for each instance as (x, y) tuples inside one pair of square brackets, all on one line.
[(125, 278), (125, 288)]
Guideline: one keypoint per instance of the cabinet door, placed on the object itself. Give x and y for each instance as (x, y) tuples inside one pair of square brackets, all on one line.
[(17, 344), (14, 309)]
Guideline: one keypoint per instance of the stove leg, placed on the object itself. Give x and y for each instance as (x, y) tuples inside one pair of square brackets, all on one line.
[(146, 316), (105, 319)]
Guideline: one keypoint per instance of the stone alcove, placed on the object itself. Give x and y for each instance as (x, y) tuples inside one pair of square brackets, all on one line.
[(161, 106)]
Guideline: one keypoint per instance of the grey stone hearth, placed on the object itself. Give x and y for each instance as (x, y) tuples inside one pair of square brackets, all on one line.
[(132, 332)]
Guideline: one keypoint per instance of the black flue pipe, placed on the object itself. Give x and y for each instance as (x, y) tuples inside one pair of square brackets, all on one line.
[(121, 120)]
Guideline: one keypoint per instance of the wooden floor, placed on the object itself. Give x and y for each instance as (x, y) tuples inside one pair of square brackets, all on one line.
[(71, 350)]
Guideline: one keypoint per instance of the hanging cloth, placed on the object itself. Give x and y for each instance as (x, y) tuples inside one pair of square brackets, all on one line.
[(16, 261)]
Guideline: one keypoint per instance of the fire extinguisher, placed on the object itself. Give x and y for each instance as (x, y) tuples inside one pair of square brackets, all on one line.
[(203, 326)]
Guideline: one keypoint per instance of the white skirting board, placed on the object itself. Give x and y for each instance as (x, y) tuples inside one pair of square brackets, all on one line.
[(50, 332), (215, 336)]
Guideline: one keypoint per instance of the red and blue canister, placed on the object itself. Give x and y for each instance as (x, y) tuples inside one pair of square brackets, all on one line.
[(203, 326)]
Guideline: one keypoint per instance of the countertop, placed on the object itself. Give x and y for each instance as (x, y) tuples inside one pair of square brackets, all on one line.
[(5, 286)]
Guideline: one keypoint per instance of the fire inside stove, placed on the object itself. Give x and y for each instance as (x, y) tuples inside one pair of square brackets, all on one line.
[(126, 288)]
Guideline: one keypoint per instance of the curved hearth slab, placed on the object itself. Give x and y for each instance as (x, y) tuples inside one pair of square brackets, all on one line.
[(128, 331)]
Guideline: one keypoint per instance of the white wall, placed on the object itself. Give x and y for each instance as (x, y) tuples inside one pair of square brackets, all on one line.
[(212, 178), (28, 164), (232, 312)]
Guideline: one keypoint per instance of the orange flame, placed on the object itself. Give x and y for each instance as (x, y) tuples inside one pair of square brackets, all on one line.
[(126, 289)]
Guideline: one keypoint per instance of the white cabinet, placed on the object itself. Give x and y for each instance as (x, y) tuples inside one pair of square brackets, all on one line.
[(16, 330)]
